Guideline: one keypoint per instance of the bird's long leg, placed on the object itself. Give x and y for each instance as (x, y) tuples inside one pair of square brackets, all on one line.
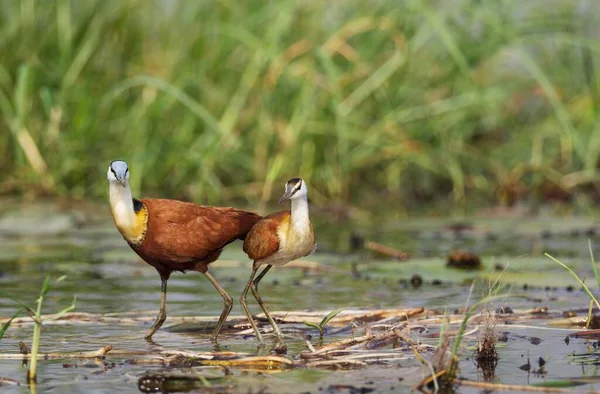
[(226, 309), (254, 289), (162, 313), (260, 276), (245, 307)]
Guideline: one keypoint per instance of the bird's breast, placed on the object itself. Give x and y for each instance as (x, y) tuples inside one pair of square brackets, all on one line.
[(295, 244)]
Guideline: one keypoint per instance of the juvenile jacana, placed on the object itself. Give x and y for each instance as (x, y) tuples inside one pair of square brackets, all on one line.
[(276, 240), (173, 235)]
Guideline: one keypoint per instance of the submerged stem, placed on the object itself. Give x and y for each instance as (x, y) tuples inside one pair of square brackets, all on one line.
[(37, 331)]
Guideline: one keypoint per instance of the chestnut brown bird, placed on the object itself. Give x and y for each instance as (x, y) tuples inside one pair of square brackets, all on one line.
[(276, 240), (173, 235)]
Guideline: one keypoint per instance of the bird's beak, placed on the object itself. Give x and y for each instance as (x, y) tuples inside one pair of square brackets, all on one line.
[(286, 196), (122, 181)]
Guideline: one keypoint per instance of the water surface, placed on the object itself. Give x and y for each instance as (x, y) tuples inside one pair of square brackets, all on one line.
[(107, 277)]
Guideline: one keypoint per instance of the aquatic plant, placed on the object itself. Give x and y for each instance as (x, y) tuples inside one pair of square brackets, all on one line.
[(323, 323), (445, 361), (36, 315), (584, 287), (486, 354), (37, 329)]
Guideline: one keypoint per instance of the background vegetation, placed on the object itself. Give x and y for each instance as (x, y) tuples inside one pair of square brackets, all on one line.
[(494, 101)]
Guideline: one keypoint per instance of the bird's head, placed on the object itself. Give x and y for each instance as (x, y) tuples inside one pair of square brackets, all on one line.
[(294, 188), (118, 172)]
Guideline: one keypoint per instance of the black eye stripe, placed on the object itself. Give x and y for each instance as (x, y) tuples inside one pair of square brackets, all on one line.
[(296, 189)]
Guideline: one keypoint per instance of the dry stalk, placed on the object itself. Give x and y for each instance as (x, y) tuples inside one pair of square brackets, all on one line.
[(204, 355), (513, 387), (8, 381), (404, 335), (389, 251), (339, 363), (135, 318), (348, 343), (433, 378), (345, 317), (53, 356), (266, 362)]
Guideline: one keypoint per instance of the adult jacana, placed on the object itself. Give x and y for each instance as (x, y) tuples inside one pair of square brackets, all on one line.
[(276, 240), (173, 235)]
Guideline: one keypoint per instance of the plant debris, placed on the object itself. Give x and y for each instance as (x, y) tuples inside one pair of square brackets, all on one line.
[(23, 348), (362, 338), (57, 356), (486, 355), (463, 260), (386, 250)]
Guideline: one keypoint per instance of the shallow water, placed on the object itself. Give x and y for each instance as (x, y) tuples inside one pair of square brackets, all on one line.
[(106, 277)]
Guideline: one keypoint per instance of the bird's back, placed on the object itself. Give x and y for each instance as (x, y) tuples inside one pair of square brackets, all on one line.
[(183, 236)]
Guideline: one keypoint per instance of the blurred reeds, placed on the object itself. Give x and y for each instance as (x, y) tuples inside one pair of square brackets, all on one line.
[(417, 100)]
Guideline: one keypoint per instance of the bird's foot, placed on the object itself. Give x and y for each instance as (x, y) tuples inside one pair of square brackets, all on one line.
[(160, 319), (215, 341), (216, 346), (280, 347), (151, 341), (149, 334), (260, 348)]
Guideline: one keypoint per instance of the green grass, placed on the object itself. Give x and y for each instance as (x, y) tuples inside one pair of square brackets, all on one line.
[(584, 287), (224, 101), (36, 315)]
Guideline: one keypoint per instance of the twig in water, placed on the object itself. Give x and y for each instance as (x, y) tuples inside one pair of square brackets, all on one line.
[(347, 343), (513, 387), (336, 363), (310, 346), (387, 250), (46, 356), (432, 378)]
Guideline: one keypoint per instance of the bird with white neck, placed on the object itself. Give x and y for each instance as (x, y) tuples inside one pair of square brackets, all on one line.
[(276, 240), (173, 235)]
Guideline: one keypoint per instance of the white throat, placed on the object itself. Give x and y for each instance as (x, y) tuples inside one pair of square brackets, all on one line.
[(300, 223), (121, 203)]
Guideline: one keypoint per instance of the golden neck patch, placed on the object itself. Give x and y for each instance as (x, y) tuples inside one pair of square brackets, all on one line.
[(136, 231), (131, 220)]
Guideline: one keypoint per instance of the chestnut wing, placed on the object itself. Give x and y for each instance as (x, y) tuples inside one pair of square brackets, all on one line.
[(262, 241), (185, 232)]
